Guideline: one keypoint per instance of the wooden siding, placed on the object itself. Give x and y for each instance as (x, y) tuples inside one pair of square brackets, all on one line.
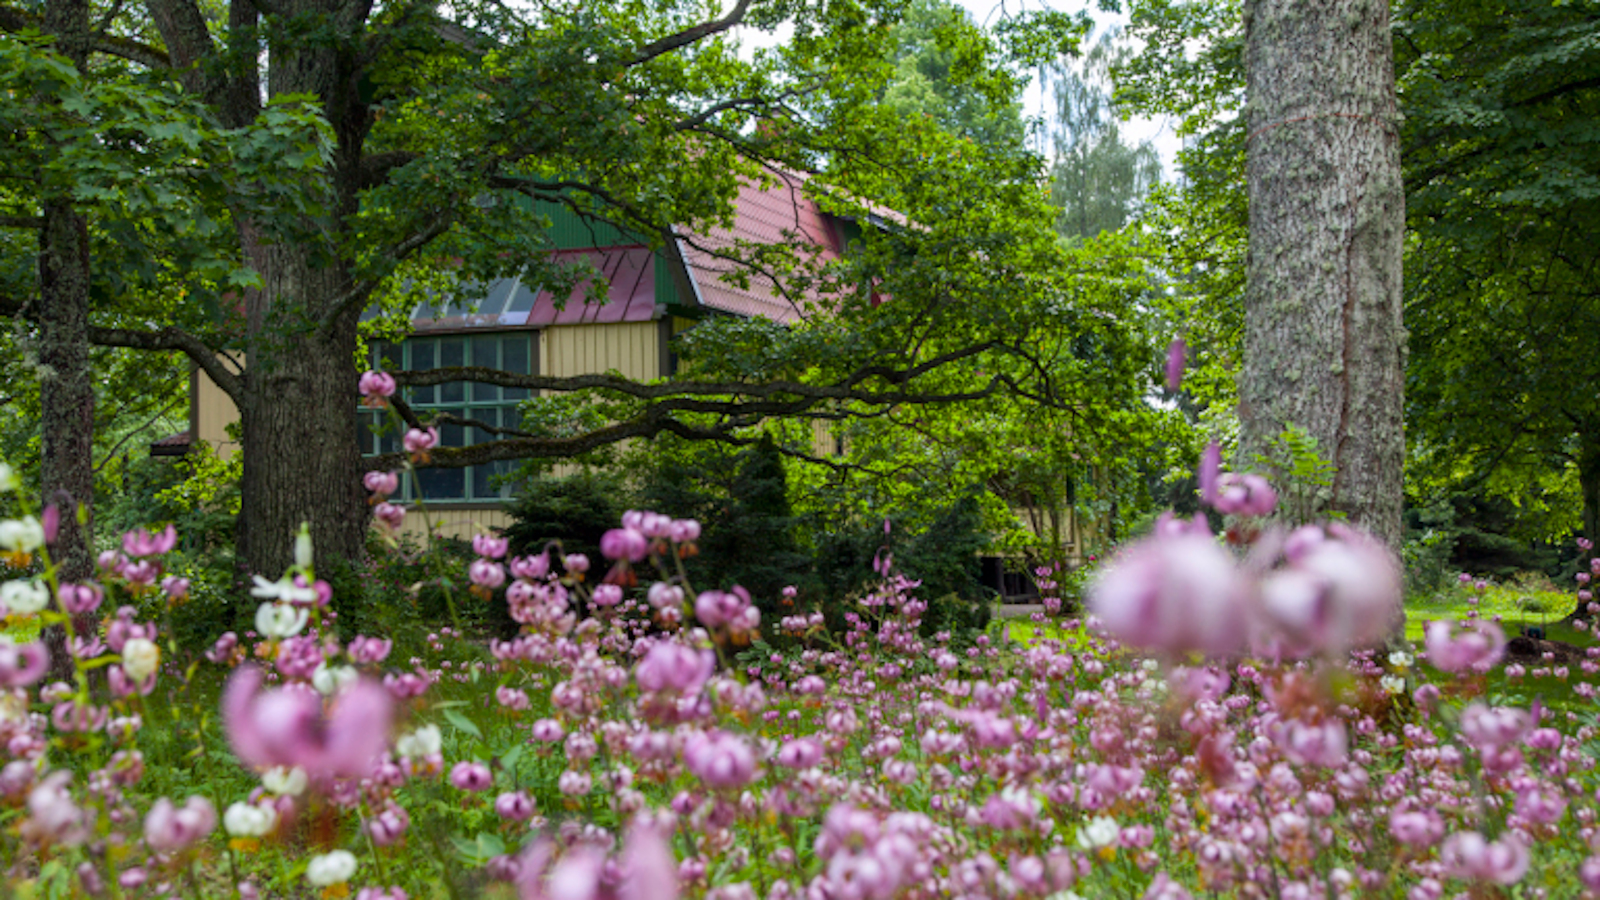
[(460, 523), (212, 411), (632, 348)]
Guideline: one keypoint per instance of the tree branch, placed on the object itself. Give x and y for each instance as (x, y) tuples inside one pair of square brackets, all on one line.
[(361, 291), (689, 35), (15, 20), (111, 454), (847, 389), (171, 338)]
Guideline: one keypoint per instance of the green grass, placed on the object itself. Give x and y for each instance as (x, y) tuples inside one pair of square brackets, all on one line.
[(1517, 606)]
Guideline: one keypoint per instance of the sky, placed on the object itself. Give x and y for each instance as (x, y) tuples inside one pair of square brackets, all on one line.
[(1159, 132)]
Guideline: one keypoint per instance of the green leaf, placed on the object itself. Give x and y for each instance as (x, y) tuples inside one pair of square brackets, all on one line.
[(463, 723)]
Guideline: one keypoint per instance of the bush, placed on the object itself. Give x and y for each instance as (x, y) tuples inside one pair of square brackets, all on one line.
[(574, 510)]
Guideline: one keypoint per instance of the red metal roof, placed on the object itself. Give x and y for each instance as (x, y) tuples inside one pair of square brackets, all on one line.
[(631, 272), (510, 303), (775, 213)]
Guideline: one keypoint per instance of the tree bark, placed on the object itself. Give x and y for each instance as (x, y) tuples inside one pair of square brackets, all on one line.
[(1324, 343), (302, 462), (66, 386), (298, 408)]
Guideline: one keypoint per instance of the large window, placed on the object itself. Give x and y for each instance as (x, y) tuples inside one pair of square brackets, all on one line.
[(486, 403)]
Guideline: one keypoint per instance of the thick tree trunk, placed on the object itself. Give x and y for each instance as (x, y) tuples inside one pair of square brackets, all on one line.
[(298, 413), (66, 389), (66, 386), (302, 462), (1323, 336)]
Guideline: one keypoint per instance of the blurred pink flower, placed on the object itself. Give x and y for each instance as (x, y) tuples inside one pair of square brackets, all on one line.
[(514, 806), (1469, 856), (1244, 495), (671, 666), (487, 574), (376, 385), (1173, 593), (22, 664), (1335, 594), (1177, 352), (1477, 648), (143, 543), (169, 829), (624, 544), (489, 547), (720, 760), (390, 514), (381, 484), (418, 441), (290, 727), (471, 776)]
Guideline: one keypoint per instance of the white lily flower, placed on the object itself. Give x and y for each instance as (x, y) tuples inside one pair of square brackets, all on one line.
[(331, 868), (1100, 832), (280, 620), (249, 819), (140, 657), (423, 742), (284, 590), (24, 597), (330, 680), (302, 548), (23, 535), (285, 781)]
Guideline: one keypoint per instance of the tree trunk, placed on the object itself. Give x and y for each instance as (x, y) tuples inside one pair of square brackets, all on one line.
[(302, 462), (66, 385), (1324, 343)]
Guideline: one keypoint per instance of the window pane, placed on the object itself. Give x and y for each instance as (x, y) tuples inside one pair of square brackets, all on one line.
[(514, 358), (511, 416), (443, 484), (452, 435), (365, 439), (495, 303), (452, 352), (489, 415), (481, 475), (521, 302), (483, 354), (421, 361)]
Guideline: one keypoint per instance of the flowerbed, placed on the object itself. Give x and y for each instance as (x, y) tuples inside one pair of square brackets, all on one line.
[(654, 746)]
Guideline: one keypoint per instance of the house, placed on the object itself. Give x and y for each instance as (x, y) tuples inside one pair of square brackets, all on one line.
[(652, 294)]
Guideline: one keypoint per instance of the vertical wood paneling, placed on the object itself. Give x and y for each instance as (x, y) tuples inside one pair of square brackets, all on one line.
[(214, 411), (632, 348)]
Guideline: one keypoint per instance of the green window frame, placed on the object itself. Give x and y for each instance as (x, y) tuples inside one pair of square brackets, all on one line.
[(513, 351)]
